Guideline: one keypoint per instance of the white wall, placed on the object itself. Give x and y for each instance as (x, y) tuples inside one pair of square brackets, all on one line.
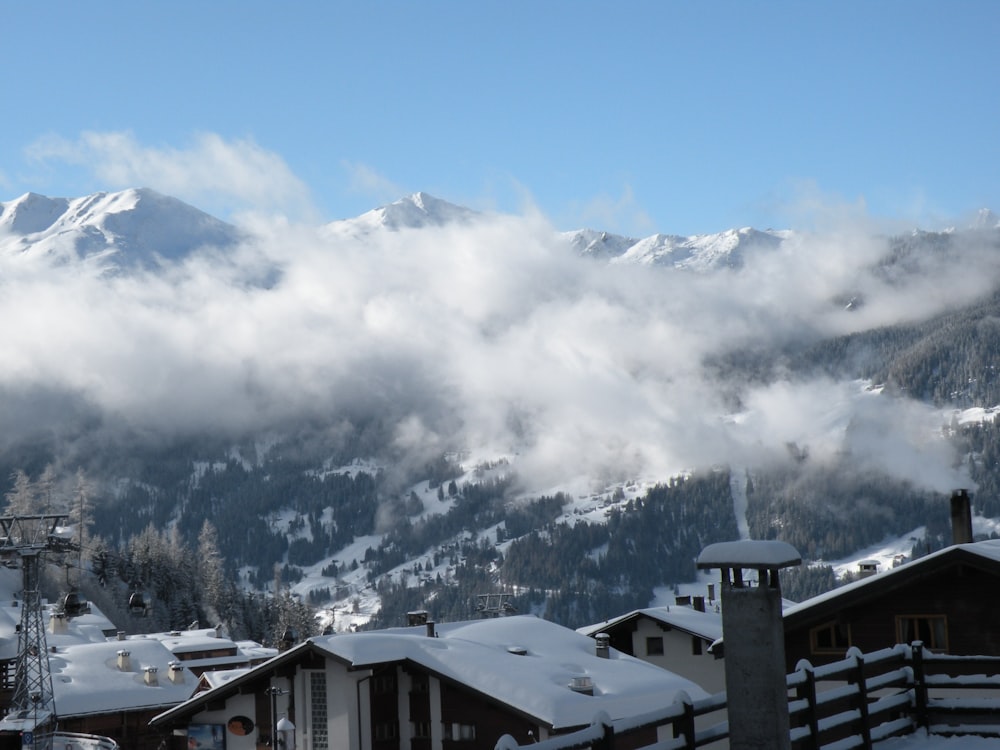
[(704, 670), (238, 705)]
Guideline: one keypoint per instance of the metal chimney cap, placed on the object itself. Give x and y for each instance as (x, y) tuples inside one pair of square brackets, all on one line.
[(756, 554)]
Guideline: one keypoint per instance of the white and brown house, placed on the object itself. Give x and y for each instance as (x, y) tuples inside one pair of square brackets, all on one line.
[(455, 686), (677, 637)]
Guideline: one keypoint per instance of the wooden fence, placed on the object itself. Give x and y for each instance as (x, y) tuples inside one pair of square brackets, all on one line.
[(849, 704)]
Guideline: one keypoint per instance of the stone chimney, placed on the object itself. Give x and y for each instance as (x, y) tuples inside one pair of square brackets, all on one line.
[(125, 660), (961, 517), (149, 676), (603, 647), (58, 624), (175, 673), (756, 689)]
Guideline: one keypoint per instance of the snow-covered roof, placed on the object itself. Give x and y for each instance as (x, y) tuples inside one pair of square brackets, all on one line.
[(988, 551), (522, 661), (208, 641), (255, 651), (215, 677), (705, 625), (186, 641), (478, 654), (749, 553), (86, 678)]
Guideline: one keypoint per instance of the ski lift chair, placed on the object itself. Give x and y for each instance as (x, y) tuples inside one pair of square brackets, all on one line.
[(137, 604), (72, 605)]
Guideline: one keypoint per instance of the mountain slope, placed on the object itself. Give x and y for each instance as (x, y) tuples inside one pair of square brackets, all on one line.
[(536, 412), (132, 227)]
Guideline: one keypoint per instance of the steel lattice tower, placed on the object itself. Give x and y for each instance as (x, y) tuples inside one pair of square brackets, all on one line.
[(27, 537), (33, 679)]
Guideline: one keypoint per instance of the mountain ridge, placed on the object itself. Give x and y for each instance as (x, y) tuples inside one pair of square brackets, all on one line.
[(138, 226), (123, 223)]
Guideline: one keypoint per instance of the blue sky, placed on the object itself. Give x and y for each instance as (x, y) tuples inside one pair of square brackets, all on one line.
[(635, 117)]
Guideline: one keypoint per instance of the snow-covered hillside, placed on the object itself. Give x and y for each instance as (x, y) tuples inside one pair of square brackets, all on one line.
[(133, 227)]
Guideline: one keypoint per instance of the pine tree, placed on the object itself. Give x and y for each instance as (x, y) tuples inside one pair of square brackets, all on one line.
[(211, 577), (81, 515), (22, 499)]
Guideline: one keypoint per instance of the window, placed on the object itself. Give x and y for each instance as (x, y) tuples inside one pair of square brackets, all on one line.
[(830, 638), (459, 732), (931, 629), (419, 683), (317, 711), (384, 683), (695, 645), (422, 730), (654, 645), (386, 730)]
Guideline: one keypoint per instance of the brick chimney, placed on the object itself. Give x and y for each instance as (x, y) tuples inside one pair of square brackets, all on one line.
[(961, 517), (149, 676), (125, 660)]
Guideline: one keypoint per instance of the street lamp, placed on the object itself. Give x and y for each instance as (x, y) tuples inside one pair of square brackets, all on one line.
[(274, 692), (287, 731)]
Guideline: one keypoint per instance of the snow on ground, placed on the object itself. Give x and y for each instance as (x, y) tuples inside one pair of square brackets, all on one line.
[(585, 502), (887, 555), (976, 415)]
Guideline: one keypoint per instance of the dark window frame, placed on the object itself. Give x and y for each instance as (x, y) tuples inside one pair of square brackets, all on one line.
[(830, 638)]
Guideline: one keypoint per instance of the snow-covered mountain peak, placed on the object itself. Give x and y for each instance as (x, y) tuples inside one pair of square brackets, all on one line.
[(135, 226), (30, 213), (699, 252), (415, 211), (986, 219), (597, 244)]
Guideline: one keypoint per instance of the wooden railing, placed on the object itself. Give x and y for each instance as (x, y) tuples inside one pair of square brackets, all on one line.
[(852, 703)]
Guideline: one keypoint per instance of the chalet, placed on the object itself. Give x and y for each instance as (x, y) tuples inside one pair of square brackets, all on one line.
[(103, 681), (434, 687), (676, 637), (943, 599), (206, 649), (114, 688)]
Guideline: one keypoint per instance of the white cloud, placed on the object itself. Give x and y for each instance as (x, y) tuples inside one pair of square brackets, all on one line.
[(487, 334), (621, 214), (366, 180), (238, 174)]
